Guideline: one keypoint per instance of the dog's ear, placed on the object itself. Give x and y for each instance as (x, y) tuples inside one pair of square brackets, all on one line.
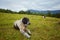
[(25, 20)]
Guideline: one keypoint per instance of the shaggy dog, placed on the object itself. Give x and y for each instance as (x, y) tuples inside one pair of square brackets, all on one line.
[(22, 26)]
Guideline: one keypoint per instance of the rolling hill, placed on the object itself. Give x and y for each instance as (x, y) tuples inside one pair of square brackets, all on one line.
[(41, 28), (46, 11)]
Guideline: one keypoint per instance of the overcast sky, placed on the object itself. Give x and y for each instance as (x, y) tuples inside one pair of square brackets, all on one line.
[(17, 5)]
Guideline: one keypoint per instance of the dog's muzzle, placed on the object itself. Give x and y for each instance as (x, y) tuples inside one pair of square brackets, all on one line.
[(29, 23)]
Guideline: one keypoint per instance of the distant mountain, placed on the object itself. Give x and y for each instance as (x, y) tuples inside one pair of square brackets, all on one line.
[(55, 11), (39, 11)]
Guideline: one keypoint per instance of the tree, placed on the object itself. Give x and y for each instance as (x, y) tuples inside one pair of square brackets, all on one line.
[(21, 12), (49, 13), (6, 11), (28, 12)]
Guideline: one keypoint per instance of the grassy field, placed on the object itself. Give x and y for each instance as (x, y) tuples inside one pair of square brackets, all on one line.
[(42, 29)]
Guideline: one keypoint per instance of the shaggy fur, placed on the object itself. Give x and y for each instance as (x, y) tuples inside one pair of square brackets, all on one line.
[(22, 26)]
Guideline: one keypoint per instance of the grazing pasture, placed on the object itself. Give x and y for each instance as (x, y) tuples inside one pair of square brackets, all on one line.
[(42, 28)]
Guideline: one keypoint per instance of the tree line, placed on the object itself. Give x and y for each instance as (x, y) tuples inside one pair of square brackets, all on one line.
[(31, 13)]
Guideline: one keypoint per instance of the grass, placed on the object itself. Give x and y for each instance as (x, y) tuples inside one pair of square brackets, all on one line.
[(42, 29)]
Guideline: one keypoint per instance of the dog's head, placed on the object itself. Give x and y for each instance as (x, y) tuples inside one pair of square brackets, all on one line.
[(25, 21)]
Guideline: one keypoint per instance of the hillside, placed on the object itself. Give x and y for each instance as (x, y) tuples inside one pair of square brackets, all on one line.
[(42, 28), (45, 11)]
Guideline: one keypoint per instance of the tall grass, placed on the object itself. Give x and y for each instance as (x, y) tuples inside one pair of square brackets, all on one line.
[(42, 28)]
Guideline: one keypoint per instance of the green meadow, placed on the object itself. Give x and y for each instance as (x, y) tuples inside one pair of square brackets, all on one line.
[(42, 28)]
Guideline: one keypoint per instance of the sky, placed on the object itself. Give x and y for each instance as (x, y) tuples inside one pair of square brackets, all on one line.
[(17, 5)]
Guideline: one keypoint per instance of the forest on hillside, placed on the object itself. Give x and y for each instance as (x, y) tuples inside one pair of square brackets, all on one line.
[(31, 13)]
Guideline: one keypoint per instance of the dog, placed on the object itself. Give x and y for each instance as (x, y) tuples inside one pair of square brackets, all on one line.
[(22, 26)]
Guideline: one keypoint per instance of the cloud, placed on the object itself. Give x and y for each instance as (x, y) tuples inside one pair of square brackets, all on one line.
[(17, 5), (57, 7)]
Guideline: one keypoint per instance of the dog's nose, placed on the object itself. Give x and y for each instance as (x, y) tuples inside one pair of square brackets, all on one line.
[(29, 23)]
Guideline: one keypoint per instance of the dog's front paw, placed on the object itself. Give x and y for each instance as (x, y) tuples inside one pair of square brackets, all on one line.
[(29, 33)]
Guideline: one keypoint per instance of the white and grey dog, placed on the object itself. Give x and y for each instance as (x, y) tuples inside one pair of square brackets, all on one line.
[(22, 26)]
